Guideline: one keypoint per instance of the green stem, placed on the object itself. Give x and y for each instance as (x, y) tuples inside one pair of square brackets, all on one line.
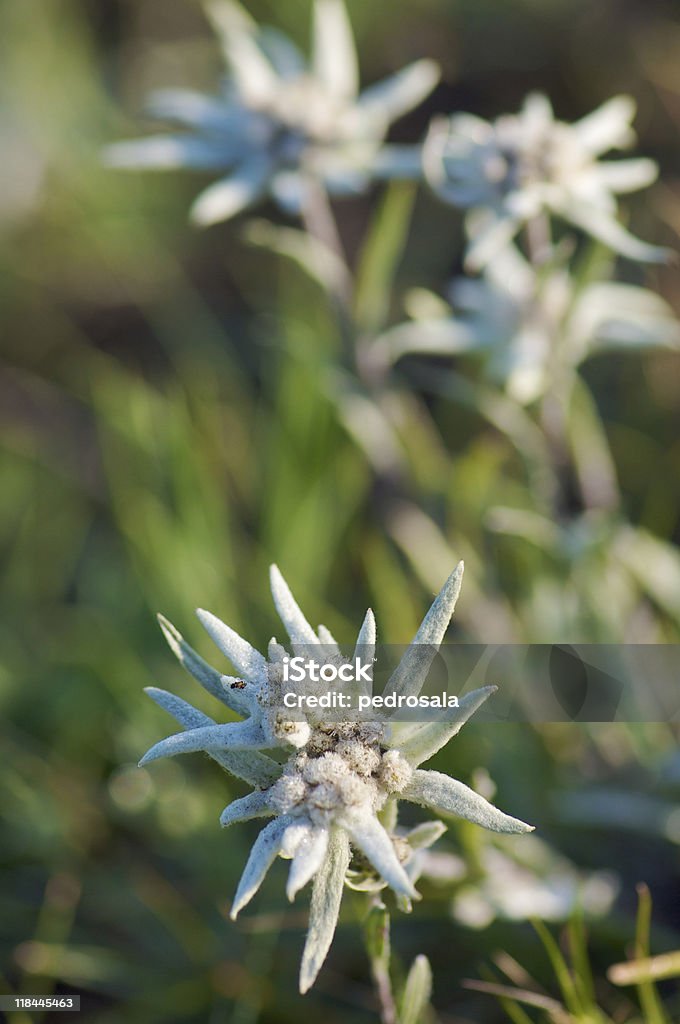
[(320, 224), (554, 405), (376, 932)]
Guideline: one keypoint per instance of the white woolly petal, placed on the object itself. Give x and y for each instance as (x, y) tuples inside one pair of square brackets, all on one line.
[(410, 673), (276, 652), (245, 658), (184, 712), (365, 646), (297, 627), (281, 730), (608, 127), (398, 163), (334, 55), (387, 100), (625, 175), (445, 795), (210, 679), (232, 736), (425, 835), (424, 741), (253, 767), (228, 196), (264, 851), (189, 107), (327, 639), (296, 833), (283, 54), (491, 235), (308, 859), (325, 906), (607, 229), (254, 805), (366, 831), (166, 152), (255, 77)]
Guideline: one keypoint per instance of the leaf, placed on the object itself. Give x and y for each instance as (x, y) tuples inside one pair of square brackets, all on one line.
[(648, 969), (654, 564), (380, 257), (417, 991), (590, 450), (316, 259), (527, 524), (570, 994), (556, 1012), (376, 929), (578, 947), (445, 337), (649, 999)]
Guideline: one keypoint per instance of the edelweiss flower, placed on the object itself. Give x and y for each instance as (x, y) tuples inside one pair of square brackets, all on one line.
[(280, 123), (521, 165), (522, 336), (333, 798)]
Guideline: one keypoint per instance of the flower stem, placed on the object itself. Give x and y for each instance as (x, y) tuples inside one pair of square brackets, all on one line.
[(377, 941), (539, 240), (320, 223)]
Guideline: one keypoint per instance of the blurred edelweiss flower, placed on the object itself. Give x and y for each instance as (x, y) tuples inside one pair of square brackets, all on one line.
[(280, 123), (333, 800), (530, 880), (524, 326), (521, 165)]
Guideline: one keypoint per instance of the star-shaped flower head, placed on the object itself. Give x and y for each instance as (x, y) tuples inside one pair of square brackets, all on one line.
[(281, 122), (332, 790), (521, 165), (520, 334)]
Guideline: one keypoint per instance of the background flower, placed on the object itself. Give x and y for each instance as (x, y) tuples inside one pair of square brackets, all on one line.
[(280, 124), (527, 329), (522, 165)]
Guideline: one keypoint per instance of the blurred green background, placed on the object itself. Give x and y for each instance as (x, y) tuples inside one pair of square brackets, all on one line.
[(166, 434)]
